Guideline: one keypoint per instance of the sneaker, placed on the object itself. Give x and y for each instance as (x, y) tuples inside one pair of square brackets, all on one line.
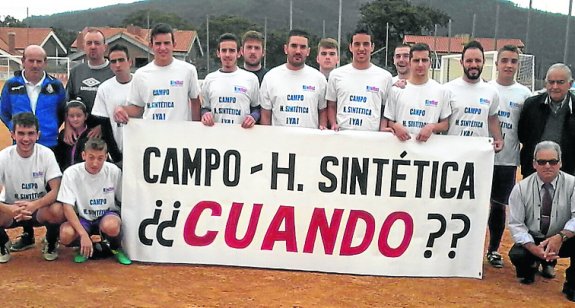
[(79, 258), (121, 257), (495, 259), (50, 251), (23, 242), (5, 252)]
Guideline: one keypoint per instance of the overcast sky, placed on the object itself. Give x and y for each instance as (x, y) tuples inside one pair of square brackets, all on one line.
[(17, 8)]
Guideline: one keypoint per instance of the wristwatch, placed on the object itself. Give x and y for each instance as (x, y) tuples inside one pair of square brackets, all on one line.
[(563, 236)]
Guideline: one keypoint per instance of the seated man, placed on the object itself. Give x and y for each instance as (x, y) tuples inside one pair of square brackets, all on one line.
[(89, 192), (26, 169), (542, 218)]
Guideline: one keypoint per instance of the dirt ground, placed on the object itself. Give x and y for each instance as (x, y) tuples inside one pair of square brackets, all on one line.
[(29, 281)]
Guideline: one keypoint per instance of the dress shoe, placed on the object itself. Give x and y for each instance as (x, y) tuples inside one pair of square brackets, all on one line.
[(548, 271)]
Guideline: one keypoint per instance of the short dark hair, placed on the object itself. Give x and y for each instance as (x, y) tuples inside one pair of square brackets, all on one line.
[(401, 46), (75, 103), (228, 37), (361, 29), (297, 32), (24, 119), (472, 45), (252, 35), (161, 28), (96, 144), (511, 48), (419, 47), (120, 47)]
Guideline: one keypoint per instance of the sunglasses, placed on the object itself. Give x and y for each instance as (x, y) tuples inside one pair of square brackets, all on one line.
[(543, 162)]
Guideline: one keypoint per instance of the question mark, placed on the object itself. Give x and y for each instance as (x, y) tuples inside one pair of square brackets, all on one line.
[(462, 234), (432, 236)]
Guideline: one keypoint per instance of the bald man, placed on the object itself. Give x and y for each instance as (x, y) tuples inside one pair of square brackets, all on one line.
[(32, 90)]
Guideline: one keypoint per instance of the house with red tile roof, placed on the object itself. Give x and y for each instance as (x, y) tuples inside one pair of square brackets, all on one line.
[(137, 40), (14, 40), (443, 45), (445, 68)]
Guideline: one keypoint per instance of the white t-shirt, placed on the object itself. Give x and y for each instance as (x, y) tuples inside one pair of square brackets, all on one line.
[(511, 99), (229, 96), (360, 96), (26, 178), (294, 97), (471, 105), (91, 194), (110, 95), (164, 91), (418, 105)]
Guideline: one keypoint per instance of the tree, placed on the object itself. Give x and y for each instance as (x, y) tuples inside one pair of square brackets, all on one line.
[(145, 18), (10, 21), (403, 18)]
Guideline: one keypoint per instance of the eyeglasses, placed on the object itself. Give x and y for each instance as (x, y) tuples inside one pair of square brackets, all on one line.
[(543, 162)]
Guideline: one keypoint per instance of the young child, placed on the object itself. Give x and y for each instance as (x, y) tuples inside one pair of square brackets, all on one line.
[(76, 116), (91, 192)]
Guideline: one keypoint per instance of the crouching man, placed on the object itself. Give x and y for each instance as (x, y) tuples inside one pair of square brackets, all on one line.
[(26, 170), (542, 219), (90, 193)]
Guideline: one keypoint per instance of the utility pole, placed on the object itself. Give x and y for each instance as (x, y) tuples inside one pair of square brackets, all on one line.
[(207, 44), (566, 51), (528, 25), (339, 34), (291, 14)]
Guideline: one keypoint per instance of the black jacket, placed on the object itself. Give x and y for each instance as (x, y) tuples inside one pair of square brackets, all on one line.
[(532, 122)]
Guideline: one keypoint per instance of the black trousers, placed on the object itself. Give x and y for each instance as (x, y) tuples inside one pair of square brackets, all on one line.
[(526, 263)]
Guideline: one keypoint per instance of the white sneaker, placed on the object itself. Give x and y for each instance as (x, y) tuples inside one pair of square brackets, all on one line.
[(5, 253), (50, 254)]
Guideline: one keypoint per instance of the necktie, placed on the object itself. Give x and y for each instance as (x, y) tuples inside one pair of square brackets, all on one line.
[(546, 202)]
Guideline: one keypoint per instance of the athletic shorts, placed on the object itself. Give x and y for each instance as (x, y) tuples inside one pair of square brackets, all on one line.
[(93, 226), (502, 183)]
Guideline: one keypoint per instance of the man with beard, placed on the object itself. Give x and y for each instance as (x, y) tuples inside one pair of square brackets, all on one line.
[(357, 92), (230, 95), (475, 103), (293, 94), (253, 52), (401, 62)]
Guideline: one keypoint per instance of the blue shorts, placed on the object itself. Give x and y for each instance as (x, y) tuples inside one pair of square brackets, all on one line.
[(93, 226)]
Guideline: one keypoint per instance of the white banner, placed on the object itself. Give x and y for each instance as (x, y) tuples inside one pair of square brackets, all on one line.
[(303, 199)]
